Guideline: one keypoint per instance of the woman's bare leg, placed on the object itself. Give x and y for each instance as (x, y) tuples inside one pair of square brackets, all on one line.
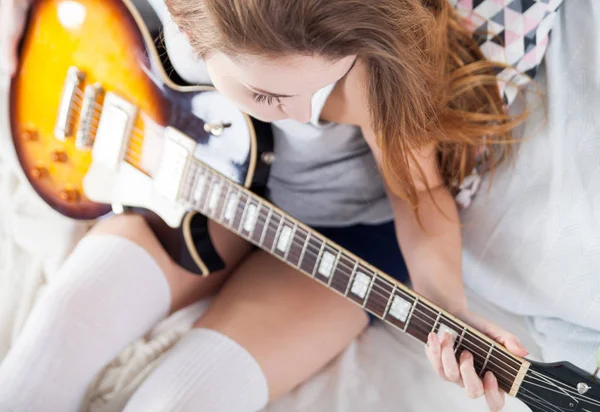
[(268, 329)]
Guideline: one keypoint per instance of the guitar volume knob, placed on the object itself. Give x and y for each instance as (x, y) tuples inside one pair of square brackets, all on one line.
[(59, 156), (69, 195), (39, 172), (30, 136)]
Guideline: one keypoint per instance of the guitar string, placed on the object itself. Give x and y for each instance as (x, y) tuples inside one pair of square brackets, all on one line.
[(273, 226), (261, 214), (576, 394), (563, 386), (216, 180), (141, 137), (527, 378), (539, 402), (98, 110)]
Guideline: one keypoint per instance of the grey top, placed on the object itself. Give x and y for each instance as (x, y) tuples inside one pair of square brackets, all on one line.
[(323, 174)]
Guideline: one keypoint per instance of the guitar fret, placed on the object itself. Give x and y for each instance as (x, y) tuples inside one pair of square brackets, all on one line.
[(351, 278), (369, 290), (253, 234), (206, 197), (309, 260), (437, 319), (487, 358), (244, 211), (410, 314), (270, 237), (225, 201), (231, 208), (236, 220), (334, 267), (290, 242), (277, 233), (215, 194), (318, 258), (340, 275), (460, 339), (308, 235), (265, 227), (389, 302), (377, 302)]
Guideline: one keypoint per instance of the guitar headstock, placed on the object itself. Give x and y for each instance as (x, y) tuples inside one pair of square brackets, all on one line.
[(559, 387)]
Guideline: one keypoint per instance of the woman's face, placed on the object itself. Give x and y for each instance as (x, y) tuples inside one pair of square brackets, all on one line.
[(272, 89)]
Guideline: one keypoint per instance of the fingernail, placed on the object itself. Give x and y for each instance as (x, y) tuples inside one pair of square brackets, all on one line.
[(490, 376)]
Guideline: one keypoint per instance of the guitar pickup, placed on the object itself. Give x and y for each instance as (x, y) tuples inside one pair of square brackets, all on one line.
[(85, 134), (112, 136), (66, 107)]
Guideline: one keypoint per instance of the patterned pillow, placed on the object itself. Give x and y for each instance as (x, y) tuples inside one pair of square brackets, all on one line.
[(513, 32)]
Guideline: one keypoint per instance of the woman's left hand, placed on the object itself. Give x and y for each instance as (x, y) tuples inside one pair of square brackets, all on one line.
[(440, 353)]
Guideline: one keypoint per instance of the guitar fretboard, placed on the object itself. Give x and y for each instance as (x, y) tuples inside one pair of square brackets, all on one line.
[(274, 231)]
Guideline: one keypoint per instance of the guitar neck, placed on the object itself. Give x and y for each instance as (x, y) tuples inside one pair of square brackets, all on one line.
[(279, 234)]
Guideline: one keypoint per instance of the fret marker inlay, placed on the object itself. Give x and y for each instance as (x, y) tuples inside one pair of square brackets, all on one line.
[(231, 205), (284, 239), (250, 219), (361, 284), (199, 188), (400, 308), (443, 328), (214, 197), (326, 265)]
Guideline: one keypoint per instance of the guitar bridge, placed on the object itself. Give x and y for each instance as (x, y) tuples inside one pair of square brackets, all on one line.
[(64, 121)]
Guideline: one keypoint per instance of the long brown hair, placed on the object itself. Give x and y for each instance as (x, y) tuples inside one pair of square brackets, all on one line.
[(428, 81)]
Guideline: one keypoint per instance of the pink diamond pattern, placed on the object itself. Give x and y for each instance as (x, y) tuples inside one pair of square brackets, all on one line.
[(513, 32)]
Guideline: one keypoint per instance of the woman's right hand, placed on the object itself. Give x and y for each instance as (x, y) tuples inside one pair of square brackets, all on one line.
[(12, 20)]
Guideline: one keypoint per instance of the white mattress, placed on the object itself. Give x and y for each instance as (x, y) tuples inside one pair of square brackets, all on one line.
[(382, 370)]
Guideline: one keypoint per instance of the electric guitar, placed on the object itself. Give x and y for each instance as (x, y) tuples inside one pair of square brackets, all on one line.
[(97, 124)]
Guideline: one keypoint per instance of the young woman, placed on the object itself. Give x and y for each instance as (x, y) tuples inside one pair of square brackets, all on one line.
[(379, 109)]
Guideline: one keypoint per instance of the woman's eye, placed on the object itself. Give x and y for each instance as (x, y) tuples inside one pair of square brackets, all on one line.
[(264, 99)]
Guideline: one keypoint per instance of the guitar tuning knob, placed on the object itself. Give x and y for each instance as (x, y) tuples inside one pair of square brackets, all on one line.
[(69, 195), (59, 156), (268, 158), (582, 388), (39, 172), (217, 128)]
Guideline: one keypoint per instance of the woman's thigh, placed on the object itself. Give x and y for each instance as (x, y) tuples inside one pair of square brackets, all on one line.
[(186, 287), (291, 324)]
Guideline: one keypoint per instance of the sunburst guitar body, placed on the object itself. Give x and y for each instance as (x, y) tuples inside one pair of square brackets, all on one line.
[(98, 125)]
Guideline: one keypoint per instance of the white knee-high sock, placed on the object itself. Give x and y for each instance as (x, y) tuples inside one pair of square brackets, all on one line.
[(205, 371), (109, 292)]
